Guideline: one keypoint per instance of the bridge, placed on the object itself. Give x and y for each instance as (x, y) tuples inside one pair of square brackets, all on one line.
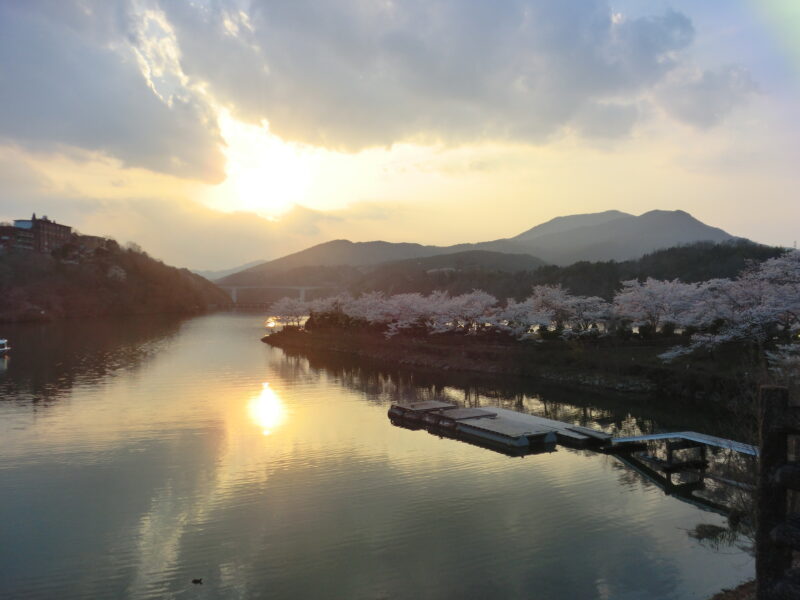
[(267, 294)]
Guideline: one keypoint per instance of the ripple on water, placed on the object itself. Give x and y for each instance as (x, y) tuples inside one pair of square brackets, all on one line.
[(137, 477)]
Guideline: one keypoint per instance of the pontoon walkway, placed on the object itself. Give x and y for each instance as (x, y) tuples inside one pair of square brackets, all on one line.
[(691, 436)]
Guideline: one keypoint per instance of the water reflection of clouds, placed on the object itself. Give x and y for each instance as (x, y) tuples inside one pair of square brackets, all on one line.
[(382, 386), (184, 509), (192, 488)]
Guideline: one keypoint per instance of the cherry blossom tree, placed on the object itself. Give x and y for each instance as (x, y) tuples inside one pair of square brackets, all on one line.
[(406, 311), (521, 318), (329, 304), (760, 307), (654, 302), (470, 312), (553, 299), (291, 311), (585, 312)]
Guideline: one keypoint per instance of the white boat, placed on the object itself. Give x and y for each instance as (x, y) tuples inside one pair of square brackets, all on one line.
[(4, 347)]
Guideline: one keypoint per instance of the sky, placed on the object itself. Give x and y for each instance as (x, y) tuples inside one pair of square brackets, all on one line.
[(218, 132)]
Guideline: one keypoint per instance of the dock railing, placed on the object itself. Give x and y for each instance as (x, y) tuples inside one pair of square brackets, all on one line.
[(777, 530)]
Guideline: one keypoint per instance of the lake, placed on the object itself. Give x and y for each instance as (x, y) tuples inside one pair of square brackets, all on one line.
[(139, 454)]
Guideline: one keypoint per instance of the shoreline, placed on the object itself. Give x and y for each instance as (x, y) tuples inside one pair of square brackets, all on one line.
[(627, 368), (39, 315)]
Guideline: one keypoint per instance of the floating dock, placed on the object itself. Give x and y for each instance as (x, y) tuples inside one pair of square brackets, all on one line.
[(494, 425), (449, 418), (413, 412), (566, 433), (518, 434), (501, 430), (512, 429)]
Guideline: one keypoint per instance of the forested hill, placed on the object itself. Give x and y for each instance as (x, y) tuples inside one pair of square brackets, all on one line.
[(108, 280), (690, 263)]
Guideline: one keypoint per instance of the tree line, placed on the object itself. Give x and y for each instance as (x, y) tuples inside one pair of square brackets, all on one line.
[(760, 306)]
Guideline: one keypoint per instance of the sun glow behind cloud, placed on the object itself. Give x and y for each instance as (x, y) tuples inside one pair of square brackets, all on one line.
[(264, 174), (203, 115), (267, 175)]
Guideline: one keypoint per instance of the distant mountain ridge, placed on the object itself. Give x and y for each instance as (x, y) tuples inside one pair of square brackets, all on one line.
[(608, 235), (219, 274), (690, 263), (562, 224), (330, 254), (625, 237)]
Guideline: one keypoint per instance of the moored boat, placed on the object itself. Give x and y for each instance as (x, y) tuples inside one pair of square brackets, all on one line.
[(4, 347)]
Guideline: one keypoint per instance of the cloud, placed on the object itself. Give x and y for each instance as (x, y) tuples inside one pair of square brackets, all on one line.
[(142, 81), (606, 120), (705, 98), (186, 233), (20, 180), (350, 74), (70, 80)]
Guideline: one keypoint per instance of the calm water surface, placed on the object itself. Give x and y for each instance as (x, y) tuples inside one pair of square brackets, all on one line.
[(138, 455)]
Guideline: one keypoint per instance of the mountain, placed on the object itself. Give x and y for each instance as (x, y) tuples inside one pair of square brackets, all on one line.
[(214, 275), (333, 253), (457, 272), (561, 224), (609, 235), (690, 263), (620, 237)]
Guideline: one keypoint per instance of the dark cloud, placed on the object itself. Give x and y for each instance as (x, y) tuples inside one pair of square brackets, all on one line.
[(67, 80), (344, 74), (704, 99), (350, 74)]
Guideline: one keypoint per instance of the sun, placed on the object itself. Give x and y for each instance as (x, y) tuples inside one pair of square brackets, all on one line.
[(265, 174)]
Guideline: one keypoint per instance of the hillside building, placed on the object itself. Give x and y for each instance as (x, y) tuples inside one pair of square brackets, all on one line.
[(16, 239), (46, 235)]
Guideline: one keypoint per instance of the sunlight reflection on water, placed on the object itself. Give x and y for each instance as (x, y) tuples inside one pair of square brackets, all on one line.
[(133, 459), (267, 410)]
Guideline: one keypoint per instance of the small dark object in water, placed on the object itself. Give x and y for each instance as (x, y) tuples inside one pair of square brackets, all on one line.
[(197, 581)]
